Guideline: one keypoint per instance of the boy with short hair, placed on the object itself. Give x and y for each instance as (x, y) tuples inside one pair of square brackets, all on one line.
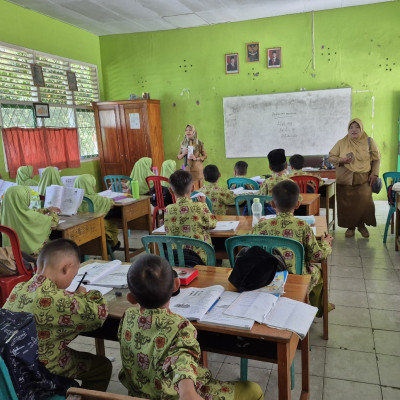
[(220, 197), (285, 197), (296, 164), (159, 351), (240, 171), (61, 315), (185, 217)]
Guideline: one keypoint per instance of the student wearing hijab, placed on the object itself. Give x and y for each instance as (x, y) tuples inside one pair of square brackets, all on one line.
[(140, 171), (167, 169), (357, 168), (33, 227), (50, 176), (101, 204), (24, 176)]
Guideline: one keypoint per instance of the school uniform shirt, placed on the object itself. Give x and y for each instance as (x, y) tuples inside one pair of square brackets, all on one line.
[(247, 186), (269, 183), (159, 349), (60, 317), (220, 197), (190, 219), (286, 225)]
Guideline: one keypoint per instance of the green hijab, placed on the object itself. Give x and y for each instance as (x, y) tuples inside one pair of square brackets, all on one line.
[(168, 167), (140, 171), (87, 182), (50, 176), (24, 175), (32, 228)]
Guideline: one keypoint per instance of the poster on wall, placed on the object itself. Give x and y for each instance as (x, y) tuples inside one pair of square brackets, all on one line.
[(274, 57), (134, 120), (232, 63)]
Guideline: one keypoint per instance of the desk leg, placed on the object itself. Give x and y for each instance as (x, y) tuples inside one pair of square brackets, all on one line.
[(305, 368), (284, 371), (125, 235), (334, 206), (327, 194), (103, 240), (324, 265), (100, 350)]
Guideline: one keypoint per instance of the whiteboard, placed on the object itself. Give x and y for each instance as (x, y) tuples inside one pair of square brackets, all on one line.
[(307, 123)]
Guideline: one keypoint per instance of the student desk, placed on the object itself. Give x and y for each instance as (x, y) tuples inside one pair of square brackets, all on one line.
[(135, 215), (86, 230), (311, 203), (262, 343)]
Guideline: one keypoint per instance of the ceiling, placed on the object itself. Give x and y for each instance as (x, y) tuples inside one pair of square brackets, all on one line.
[(107, 17)]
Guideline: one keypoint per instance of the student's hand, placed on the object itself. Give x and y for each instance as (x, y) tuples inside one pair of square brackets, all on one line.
[(187, 391), (327, 238), (201, 199), (54, 209), (81, 289)]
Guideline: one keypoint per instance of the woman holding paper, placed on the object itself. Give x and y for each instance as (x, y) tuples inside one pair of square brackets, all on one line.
[(193, 152), (101, 204), (33, 227)]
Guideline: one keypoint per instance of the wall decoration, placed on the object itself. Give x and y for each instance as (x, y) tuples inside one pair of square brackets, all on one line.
[(37, 75), (41, 110), (274, 57), (253, 52), (232, 63), (72, 84)]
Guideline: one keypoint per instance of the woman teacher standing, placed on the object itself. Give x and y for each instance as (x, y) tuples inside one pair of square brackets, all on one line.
[(192, 150), (357, 168)]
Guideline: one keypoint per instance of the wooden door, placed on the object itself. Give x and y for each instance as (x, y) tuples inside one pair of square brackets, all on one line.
[(135, 124)]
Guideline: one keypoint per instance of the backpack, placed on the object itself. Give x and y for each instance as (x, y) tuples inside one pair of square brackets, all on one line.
[(391, 194)]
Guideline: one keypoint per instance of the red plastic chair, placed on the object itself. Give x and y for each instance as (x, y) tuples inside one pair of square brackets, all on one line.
[(303, 181), (156, 180), (7, 283)]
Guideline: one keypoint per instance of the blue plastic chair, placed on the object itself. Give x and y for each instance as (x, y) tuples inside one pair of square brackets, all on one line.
[(268, 243), (241, 182), (208, 201), (249, 201), (390, 178), (115, 182), (166, 245)]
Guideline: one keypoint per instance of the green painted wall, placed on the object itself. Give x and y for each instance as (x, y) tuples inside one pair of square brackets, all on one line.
[(32, 30), (355, 47)]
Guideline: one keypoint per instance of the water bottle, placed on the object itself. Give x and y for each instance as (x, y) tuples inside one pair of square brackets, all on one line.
[(135, 189), (256, 210)]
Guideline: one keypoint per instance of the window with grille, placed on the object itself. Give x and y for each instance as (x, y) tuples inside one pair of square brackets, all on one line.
[(67, 108)]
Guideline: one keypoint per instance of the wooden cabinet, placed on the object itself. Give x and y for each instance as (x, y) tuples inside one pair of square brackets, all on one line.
[(127, 131)]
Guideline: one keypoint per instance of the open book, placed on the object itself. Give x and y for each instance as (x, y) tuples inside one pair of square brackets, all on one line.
[(277, 285), (4, 185), (68, 181), (225, 226), (241, 190), (66, 199), (118, 197)]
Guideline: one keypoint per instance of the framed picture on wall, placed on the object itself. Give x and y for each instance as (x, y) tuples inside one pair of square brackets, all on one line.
[(232, 63), (253, 52), (37, 75), (274, 57), (41, 110), (72, 84)]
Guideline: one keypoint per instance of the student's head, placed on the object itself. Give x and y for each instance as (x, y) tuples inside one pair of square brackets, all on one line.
[(241, 168), (181, 182), (151, 281), (211, 173), (296, 161), (285, 195), (59, 260), (277, 160)]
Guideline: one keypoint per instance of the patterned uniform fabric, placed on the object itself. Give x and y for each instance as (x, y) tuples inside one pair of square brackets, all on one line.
[(190, 219), (159, 349), (220, 197), (269, 183)]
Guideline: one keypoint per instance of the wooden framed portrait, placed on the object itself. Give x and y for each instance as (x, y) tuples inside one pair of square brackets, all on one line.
[(41, 110), (37, 75), (253, 52), (72, 84), (274, 57), (232, 63)]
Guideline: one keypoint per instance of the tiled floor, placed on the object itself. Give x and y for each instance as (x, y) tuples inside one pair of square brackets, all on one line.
[(361, 359)]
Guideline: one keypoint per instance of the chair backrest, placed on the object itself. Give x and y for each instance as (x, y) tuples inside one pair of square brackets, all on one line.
[(208, 201), (268, 243), (390, 178), (115, 181), (166, 245), (249, 201), (89, 203), (241, 182), (156, 180), (7, 390), (306, 182)]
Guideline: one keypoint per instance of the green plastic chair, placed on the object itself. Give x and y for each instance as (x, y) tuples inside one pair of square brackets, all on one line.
[(249, 201), (208, 201), (268, 243), (241, 182), (115, 182), (166, 245)]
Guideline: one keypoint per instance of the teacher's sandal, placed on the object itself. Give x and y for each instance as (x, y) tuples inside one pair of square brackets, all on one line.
[(350, 232)]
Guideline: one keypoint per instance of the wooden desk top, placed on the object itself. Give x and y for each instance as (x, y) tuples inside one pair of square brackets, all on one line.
[(140, 199), (75, 220), (309, 198)]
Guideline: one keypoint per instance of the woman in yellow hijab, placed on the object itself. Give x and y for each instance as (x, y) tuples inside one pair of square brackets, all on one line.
[(357, 162)]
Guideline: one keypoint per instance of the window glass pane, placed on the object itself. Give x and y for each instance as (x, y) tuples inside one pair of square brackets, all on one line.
[(60, 117), (17, 115), (87, 133)]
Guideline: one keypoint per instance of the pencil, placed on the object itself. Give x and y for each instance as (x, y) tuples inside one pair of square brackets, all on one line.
[(80, 282)]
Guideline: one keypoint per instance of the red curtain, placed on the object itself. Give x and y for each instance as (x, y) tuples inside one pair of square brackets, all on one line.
[(41, 147)]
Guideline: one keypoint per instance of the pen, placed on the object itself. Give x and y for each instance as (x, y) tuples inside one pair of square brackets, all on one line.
[(80, 282), (215, 302)]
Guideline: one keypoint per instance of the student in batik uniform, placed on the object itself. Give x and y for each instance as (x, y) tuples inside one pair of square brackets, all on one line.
[(33, 227), (185, 217), (220, 197), (159, 351), (296, 164), (61, 315), (285, 196), (240, 171), (278, 166), (101, 204), (50, 176), (24, 176)]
